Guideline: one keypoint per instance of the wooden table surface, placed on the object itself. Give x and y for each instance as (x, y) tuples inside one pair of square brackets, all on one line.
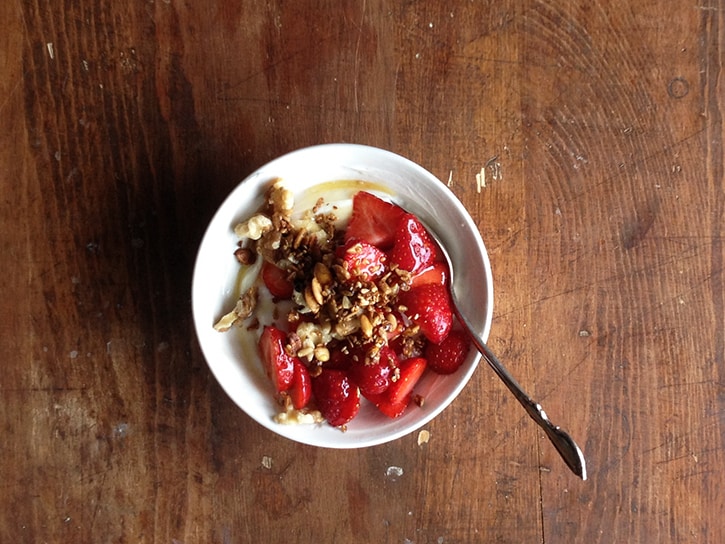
[(599, 126)]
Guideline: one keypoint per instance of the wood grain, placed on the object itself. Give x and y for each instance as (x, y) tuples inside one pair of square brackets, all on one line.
[(598, 128)]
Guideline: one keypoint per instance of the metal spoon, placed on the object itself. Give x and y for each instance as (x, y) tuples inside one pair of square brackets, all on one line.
[(564, 444)]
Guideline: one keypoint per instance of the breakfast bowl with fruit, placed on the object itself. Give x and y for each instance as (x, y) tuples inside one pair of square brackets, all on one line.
[(321, 299)]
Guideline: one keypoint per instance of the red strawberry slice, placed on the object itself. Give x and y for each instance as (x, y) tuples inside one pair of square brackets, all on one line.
[(276, 281), (278, 364), (339, 360), (413, 250), (345, 357), (374, 378), (401, 390), (448, 356), (435, 273), (373, 220), (429, 306), (301, 390), (338, 399), (363, 260), (390, 409), (396, 399)]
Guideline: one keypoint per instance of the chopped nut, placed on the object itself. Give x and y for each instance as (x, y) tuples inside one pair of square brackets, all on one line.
[(311, 301), (316, 208), (306, 353), (226, 322), (246, 303), (245, 255), (322, 274), (242, 310), (322, 354), (254, 227), (294, 342), (281, 198), (365, 326), (346, 328), (290, 416), (317, 291), (341, 272), (298, 239)]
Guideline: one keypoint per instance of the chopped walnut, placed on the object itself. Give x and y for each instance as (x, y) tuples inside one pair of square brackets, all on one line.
[(281, 199), (242, 310), (246, 303), (226, 322), (254, 227)]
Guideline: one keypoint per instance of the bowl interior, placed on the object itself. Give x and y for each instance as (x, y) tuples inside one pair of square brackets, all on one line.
[(235, 364)]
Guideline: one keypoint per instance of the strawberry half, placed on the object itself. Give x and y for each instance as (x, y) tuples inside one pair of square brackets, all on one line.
[(278, 364), (411, 370), (301, 390), (373, 220), (339, 360), (396, 399), (413, 250), (390, 409), (363, 260), (338, 399), (448, 356), (435, 273), (276, 281), (429, 306), (374, 379)]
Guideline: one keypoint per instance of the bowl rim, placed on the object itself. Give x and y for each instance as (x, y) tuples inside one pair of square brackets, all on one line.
[(227, 213)]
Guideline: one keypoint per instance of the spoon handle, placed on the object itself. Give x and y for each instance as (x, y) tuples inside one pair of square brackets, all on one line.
[(564, 444)]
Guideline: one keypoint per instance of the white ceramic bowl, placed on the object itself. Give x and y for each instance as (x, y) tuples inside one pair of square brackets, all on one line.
[(237, 366)]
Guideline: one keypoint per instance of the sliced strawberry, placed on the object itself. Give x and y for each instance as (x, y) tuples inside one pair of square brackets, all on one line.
[(338, 399), (413, 250), (339, 360), (411, 370), (277, 281), (301, 390), (435, 273), (374, 378), (429, 307), (373, 220), (363, 260), (278, 364), (448, 356), (390, 409), (389, 357)]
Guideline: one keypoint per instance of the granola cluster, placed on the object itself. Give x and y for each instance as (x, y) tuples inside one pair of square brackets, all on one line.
[(332, 305)]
